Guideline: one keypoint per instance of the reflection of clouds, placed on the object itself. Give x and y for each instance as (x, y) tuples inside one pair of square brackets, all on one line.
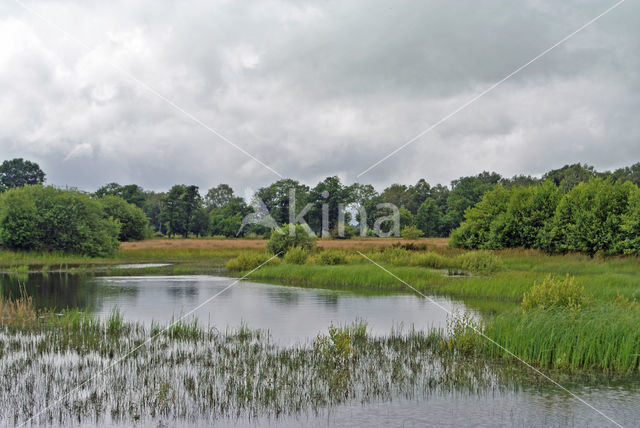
[(291, 314)]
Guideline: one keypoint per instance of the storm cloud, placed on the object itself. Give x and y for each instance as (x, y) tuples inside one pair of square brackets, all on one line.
[(314, 89)]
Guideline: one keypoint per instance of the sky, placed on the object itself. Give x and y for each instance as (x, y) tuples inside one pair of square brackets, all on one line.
[(246, 92)]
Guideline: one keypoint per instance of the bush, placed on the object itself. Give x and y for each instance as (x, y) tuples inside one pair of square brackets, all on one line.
[(296, 256), (133, 221), (248, 260), (554, 293), (432, 260), (480, 262), (49, 219), (411, 232), (331, 257), (289, 236)]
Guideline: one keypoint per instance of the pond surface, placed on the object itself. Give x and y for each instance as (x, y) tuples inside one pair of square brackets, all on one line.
[(293, 314), (290, 314)]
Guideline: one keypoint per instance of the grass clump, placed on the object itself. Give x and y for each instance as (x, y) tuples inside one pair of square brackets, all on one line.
[(296, 256), (17, 312), (331, 257), (432, 260), (247, 261), (463, 333), (554, 293), (483, 262)]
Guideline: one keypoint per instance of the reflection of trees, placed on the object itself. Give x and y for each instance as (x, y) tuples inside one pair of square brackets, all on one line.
[(189, 291), (283, 297), (52, 291), (329, 300)]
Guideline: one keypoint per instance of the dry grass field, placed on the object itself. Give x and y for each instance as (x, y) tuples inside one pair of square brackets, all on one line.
[(156, 244)]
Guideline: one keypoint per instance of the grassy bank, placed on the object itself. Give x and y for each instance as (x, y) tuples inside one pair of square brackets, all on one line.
[(603, 334)]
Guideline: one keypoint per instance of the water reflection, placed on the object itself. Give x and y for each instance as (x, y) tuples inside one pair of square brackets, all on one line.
[(290, 314)]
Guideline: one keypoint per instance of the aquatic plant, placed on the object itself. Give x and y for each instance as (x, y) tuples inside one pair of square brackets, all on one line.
[(554, 293), (484, 262)]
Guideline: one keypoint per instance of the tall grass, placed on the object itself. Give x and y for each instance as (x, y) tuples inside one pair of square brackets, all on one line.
[(602, 336)]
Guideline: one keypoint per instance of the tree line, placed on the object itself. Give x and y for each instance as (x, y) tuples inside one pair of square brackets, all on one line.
[(471, 207)]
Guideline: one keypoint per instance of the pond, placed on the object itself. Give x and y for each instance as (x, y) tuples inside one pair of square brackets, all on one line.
[(293, 315), (290, 314)]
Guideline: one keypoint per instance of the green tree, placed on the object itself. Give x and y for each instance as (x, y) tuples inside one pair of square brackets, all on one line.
[(417, 195), (19, 172), (466, 192), (218, 196), (569, 176), (227, 219), (173, 210), (590, 216), (406, 218), (153, 208), (191, 202), (276, 198), (200, 223), (476, 230), (429, 218), (331, 192), (131, 193), (133, 221), (49, 219), (396, 194)]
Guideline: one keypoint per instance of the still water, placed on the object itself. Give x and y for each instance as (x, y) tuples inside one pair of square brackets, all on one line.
[(290, 314), (294, 315)]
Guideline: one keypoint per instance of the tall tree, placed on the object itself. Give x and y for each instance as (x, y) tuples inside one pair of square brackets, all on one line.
[(19, 172), (218, 196), (276, 198), (173, 210), (466, 192), (569, 176), (191, 201), (132, 193)]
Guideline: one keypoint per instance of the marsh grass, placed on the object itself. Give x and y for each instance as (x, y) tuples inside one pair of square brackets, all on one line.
[(602, 337), (202, 376)]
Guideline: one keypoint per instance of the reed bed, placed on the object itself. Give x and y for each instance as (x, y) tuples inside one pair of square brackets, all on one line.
[(602, 337), (188, 373)]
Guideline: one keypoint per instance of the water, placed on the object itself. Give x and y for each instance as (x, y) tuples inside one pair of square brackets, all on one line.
[(290, 314), (293, 314)]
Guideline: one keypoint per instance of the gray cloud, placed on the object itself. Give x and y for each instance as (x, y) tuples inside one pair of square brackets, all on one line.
[(315, 89)]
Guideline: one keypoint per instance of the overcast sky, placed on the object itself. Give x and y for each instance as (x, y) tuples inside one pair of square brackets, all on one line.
[(314, 89)]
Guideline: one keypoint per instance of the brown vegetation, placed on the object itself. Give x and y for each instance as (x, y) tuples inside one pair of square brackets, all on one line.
[(259, 243)]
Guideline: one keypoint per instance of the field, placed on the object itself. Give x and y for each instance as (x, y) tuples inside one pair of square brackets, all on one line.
[(361, 243)]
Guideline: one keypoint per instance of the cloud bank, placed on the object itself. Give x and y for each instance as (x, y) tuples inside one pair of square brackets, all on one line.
[(314, 89)]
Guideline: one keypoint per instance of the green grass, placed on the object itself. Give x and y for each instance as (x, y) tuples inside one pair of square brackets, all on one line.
[(602, 337)]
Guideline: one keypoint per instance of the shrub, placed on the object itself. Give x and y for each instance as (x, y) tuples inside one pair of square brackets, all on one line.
[(554, 293), (247, 261), (296, 256), (331, 257), (432, 260), (480, 262), (50, 219), (133, 221), (289, 236), (411, 232)]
